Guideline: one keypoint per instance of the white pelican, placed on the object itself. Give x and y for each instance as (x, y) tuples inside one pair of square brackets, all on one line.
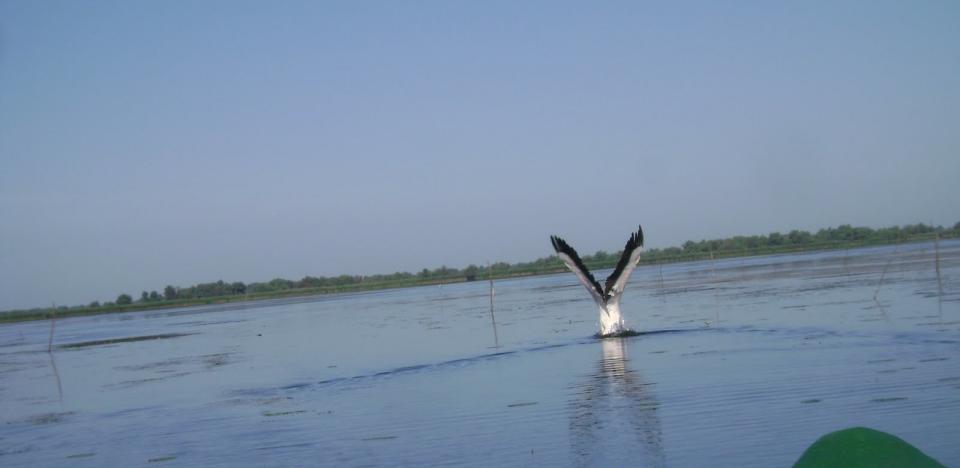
[(607, 297)]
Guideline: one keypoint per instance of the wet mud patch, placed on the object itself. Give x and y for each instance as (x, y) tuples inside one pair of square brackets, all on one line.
[(128, 339), (132, 411), (555, 288), (48, 418), (888, 399), (522, 403), (821, 336), (379, 438), (935, 324), (215, 360), (171, 366), (136, 382), (278, 447), (271, 414), (153, 365), (838, 303), (11, 367), (16, 451), (366, 379), (207, 322), (11, 344), (253, 401)]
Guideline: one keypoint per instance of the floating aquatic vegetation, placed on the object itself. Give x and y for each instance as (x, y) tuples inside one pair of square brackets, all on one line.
[(375, 438), (215, 360), (887, 399), (271, 414), (128, 339), (49, 418), (275, 447), (135, 382)]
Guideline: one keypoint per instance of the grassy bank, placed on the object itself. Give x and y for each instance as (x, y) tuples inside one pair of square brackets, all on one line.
[(691, 251)]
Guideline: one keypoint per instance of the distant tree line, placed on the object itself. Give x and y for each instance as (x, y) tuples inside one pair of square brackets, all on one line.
[(795, 240), (841, 235)]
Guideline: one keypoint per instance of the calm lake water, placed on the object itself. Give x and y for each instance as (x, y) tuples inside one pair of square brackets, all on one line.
[(744, 362)]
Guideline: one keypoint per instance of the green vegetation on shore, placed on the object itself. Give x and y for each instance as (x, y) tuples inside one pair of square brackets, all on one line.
[(844, 236)]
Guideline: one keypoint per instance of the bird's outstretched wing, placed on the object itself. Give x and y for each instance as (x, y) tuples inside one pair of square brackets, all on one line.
[(570, 257), (628, 261)]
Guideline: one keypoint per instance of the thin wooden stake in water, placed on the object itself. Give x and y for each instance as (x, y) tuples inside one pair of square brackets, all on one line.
[(56, 375), (53, 324), (663, 295), (936, 263), (716, 300), (883, 275), (493, 319)]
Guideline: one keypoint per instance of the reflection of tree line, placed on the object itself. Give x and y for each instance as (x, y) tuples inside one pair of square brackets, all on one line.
[(613, 415), (844, 236)]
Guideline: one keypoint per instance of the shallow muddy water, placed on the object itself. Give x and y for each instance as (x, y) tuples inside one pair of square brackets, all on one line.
[(741, 362)]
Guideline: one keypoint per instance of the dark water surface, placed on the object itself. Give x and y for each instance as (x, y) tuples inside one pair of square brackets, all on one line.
[(743, 362)]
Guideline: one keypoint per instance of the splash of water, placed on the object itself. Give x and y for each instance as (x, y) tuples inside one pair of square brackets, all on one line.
[(611, 322)]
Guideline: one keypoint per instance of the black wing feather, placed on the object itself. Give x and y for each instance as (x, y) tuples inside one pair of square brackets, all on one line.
[(636, 240), (560, 245)]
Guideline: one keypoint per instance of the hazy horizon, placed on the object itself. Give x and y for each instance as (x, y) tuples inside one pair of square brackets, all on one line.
[(159, 288), (174, 143)]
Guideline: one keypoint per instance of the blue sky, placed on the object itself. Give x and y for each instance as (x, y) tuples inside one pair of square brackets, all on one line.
[(152, 143)]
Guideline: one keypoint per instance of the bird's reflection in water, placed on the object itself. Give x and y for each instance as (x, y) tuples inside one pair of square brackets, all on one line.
[(613, 414)]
